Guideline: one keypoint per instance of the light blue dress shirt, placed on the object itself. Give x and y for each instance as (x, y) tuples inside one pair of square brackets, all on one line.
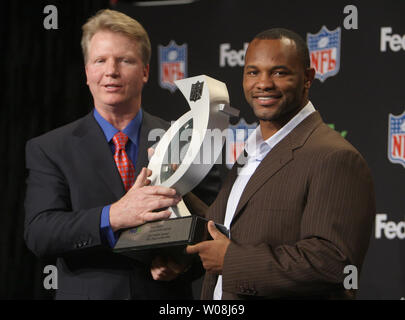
[(132, 130)]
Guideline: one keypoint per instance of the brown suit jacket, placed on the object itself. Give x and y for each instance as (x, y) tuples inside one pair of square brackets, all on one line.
[(305, 214)]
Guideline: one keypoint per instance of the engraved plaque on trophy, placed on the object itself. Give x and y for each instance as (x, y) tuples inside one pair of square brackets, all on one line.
[(182, 158)]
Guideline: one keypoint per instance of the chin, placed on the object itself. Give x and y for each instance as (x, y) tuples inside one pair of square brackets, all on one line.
[(265, 114), (267, 118), (113, 102)]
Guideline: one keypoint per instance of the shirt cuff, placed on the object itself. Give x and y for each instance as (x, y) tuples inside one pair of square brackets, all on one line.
[(108, 235)]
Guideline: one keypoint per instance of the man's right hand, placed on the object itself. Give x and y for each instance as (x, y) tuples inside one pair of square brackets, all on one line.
[(137, 205)]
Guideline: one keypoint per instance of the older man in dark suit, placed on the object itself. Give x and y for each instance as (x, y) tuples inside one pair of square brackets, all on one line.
[(302, 206), (87, 182)]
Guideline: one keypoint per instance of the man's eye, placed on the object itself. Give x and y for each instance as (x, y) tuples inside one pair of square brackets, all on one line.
[(99, 61), (280, 73), (252, 72)]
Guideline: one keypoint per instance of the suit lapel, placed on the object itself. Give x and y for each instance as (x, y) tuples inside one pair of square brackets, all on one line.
[(142, 159), (148, 123), (97, 155), (220, 205), (278, 157)]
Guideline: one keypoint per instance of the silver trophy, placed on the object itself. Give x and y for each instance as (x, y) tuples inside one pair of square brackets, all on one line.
[(182, 158)]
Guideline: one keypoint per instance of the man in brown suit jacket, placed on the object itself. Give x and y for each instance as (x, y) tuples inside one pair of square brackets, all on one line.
[(301, 208)]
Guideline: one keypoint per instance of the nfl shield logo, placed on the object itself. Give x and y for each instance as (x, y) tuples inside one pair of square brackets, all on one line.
[(196, 91), (396, 138), (172, 64), (324, 50), (235, 142)]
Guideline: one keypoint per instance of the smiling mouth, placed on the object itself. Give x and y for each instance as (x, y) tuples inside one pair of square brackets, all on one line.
[(267, 100), (112, 87)]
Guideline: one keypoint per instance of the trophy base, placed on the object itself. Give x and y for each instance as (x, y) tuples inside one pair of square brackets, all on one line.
[(164, 237)]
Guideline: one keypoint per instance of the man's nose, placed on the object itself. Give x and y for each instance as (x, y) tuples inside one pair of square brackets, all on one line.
[(265, 82), (112, 68)]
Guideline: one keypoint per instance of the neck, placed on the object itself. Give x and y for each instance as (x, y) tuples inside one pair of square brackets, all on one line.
[(269, 128), (119, 117)]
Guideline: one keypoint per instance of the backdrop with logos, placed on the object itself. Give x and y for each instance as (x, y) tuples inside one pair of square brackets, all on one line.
[(358, 50)]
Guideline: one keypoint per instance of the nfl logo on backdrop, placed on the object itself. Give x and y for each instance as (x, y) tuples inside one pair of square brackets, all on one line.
[(324, 50), (235, 142), (172, 64), (396, 138)]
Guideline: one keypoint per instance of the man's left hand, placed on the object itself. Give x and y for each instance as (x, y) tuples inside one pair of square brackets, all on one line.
[(165, 269), (212, 252)]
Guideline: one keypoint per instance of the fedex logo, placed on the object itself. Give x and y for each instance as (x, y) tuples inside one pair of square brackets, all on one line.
[(395, 42), (232, 58), (390, 229)]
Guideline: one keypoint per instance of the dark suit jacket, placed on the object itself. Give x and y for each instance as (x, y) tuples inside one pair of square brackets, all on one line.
[(72, 176), (305, 214)]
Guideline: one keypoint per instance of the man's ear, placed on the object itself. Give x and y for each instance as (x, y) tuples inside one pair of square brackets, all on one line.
[(145, 73), (309, 77), (87, 78)]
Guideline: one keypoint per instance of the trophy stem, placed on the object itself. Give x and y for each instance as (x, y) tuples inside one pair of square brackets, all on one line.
[(179, 210)]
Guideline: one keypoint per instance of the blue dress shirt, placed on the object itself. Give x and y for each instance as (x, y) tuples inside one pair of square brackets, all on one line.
[(132, 131)]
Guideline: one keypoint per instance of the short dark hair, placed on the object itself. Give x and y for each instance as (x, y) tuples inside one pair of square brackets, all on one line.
[(279, 33)]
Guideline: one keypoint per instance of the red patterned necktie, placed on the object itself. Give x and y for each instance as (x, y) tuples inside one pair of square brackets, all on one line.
[(124, 164)]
